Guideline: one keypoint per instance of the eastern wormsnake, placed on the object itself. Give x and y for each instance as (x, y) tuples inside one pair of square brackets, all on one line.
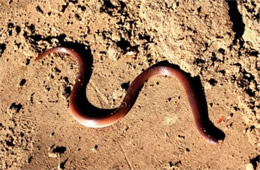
[(96, 122)]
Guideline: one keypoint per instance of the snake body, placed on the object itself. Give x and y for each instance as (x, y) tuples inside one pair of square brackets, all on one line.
[(76, 104)]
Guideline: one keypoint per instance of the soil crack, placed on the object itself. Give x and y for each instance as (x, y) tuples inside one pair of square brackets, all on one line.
[(237, 20)]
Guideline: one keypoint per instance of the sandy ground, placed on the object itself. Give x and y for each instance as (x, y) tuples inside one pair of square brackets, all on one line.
[(216, 42)]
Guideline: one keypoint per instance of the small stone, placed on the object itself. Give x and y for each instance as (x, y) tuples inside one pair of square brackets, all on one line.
[(249, 166), (52, 155)]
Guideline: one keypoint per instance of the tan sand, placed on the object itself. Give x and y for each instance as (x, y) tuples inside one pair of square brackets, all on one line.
[(217, 42)]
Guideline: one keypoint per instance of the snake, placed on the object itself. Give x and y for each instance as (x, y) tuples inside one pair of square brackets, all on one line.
[(77, 97)]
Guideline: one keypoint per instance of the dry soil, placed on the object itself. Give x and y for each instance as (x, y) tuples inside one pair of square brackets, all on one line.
[(215, 42)]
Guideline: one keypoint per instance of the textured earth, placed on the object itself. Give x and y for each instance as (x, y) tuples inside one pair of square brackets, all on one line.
[(216, 42)]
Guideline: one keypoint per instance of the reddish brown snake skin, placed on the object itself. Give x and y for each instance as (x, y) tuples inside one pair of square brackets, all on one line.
[(96, 122)]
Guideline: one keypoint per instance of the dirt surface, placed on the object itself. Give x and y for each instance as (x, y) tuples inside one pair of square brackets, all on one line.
[(216, 42)]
